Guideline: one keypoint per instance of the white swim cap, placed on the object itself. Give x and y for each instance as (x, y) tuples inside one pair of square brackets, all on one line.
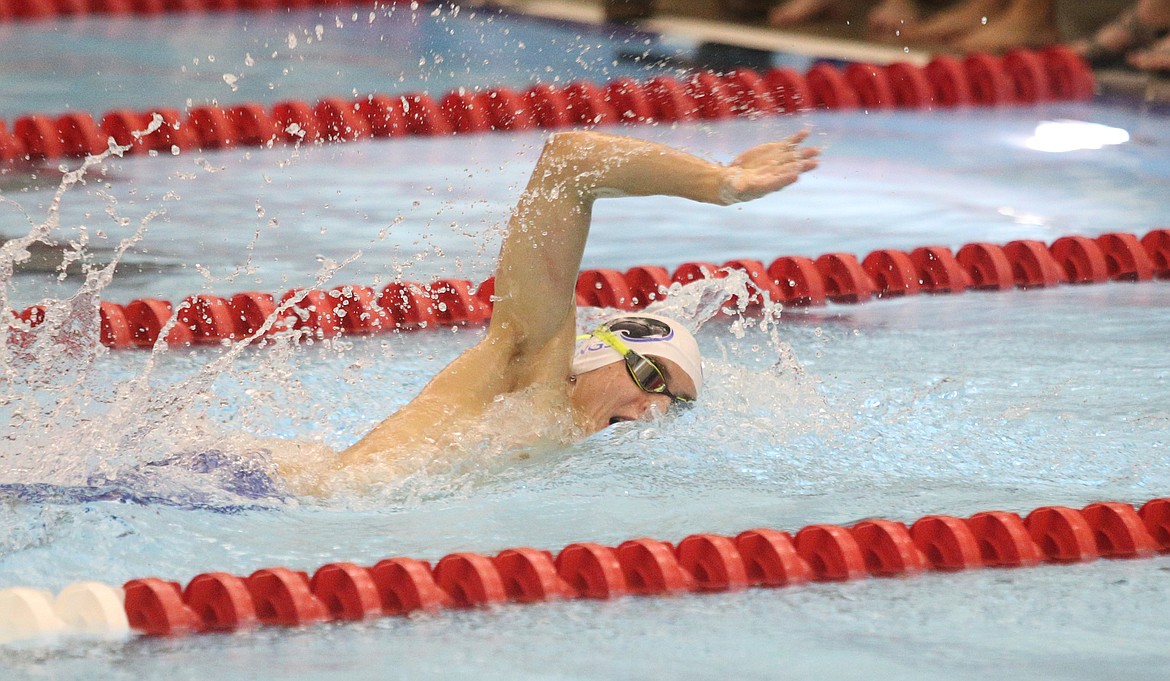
[(646, 334)]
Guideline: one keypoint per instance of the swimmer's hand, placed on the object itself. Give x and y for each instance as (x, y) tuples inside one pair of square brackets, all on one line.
[(761, 170)]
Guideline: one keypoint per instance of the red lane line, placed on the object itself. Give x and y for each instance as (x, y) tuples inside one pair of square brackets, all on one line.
[(1021, 77), (789, 280), (700, 563)]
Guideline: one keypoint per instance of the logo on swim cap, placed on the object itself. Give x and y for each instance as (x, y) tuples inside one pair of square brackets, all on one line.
[(641, 329)]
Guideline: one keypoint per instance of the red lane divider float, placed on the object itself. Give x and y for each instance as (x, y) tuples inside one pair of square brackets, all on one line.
[(789, 280), (1020, 77), (218, 601)]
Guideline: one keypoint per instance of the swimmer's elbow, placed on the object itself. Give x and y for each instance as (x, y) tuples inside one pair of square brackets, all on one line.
[(571, 140), (566, 163), (572, 150)]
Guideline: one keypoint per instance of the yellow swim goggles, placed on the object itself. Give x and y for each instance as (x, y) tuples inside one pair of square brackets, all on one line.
[(647, 374)]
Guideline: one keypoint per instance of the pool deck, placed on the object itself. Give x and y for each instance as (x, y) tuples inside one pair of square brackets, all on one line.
[(839, 39)]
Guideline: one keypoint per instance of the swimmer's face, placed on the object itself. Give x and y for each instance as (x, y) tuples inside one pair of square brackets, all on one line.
[(609, 395)]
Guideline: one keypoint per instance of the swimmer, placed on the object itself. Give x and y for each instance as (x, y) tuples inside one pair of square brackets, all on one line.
[(627, 368)]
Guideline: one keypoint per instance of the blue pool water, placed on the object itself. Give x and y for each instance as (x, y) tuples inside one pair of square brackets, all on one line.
[(898, 408)]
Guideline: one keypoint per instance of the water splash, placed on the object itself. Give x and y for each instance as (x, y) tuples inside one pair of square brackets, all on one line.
[(37, 363), (136, 426)]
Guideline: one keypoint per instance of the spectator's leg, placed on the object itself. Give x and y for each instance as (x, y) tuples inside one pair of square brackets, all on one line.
[(1155, 14), (796, 12), (1024, 23), (1127, 32), (1154, 59), (891, 18), (954, 22)]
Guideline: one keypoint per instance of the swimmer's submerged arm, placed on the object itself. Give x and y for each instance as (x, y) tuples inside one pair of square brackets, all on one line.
[(541, 254)]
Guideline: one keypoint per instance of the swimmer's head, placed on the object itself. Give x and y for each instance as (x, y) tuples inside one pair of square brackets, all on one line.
[(632, 365)]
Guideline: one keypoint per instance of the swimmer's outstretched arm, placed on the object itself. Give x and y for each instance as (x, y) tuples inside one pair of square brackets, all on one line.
[(533, 328), (541, 254)]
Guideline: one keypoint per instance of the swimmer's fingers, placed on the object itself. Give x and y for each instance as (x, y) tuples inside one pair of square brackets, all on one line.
[(792, 141), (797, 139), (767, 168), (763, 154), (776, 152)]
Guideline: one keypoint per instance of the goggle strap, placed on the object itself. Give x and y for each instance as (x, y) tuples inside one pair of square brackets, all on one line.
[(611, 339)]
